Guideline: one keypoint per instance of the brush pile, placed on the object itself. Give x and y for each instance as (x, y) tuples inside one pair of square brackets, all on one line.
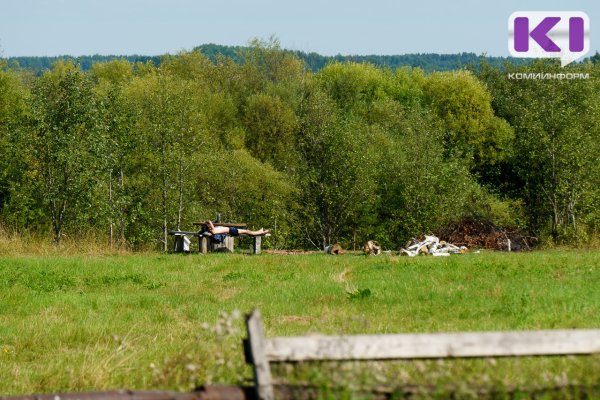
[(432, 245), (485, 235)]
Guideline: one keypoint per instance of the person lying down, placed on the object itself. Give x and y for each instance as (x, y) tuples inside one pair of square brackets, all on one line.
[(233, 231)]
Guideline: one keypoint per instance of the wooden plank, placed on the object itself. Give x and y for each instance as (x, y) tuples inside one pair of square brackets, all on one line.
[(260, 363), (236, 225), (435, 345), (183, 233)]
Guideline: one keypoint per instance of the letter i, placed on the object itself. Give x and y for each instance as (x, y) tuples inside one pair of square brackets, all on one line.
[(576, 34)]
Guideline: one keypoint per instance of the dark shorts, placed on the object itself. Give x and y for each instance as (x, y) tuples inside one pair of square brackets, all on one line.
[(233, 231)]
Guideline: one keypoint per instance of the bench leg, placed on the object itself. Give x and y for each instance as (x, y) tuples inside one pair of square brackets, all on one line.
[(229, 243), (257, 243), (178, 244), (203, 244)]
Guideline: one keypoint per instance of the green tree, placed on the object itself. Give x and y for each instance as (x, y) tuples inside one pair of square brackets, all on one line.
[(271, 131), (65, 145), (173, 126), (116, 121), (421, 190), (473, 131), (13, 114), (337, 182), (556, 126), (269, 63), (243, 189)]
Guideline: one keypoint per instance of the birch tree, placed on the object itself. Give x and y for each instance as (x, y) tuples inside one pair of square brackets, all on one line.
[(65, 146)]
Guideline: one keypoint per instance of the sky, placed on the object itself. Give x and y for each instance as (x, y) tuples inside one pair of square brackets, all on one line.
[(155, 27)]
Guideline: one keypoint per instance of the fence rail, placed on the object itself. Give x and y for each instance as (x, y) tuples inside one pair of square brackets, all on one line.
[(436, 345), (262, 351)]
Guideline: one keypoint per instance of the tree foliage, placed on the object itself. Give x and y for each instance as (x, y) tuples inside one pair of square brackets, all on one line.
[(556, 147), (352, 152), (473, 131), (65, 145)]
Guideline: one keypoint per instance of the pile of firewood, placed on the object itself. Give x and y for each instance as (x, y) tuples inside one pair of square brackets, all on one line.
[(334, 249), (432, 245), (372, 248)]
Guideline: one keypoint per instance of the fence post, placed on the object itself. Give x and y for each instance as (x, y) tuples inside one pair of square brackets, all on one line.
[(260, 362)]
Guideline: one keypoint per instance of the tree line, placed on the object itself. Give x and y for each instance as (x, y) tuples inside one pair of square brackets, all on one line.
[(428, 62), (131, 150), (39, 64)]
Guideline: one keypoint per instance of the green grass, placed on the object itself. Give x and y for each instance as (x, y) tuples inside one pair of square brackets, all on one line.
[(72, 323)]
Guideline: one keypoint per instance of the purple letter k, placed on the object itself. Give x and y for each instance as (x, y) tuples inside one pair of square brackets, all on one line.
[(539, 34)]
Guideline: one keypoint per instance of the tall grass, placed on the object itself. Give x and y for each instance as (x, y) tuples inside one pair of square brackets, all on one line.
[(167, 321), (18, 243)]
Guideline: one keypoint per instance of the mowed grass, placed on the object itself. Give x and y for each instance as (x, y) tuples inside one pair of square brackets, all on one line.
[(74, 323)]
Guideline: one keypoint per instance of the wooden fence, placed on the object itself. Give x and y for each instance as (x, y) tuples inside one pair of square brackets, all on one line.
[(262, 351)]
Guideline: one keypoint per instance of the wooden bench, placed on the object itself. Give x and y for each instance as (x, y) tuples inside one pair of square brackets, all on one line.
[(260, 351)]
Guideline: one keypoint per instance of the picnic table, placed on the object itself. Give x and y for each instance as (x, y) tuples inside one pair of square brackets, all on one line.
[(207, 243)]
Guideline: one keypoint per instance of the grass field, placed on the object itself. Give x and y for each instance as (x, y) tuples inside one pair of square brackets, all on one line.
[(162, 321)]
